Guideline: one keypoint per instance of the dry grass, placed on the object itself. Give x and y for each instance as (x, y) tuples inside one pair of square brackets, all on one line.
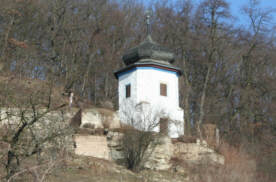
[(239, 167), (87, 169), (15, 91)]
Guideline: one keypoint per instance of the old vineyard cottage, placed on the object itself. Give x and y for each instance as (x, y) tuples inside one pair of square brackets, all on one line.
[(148, 89)]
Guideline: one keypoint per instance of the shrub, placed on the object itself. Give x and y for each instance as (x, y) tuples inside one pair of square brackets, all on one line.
[(134, 145), (89, 125)]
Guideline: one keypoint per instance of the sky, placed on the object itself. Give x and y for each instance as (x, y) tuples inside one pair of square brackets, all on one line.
[(235, 6)]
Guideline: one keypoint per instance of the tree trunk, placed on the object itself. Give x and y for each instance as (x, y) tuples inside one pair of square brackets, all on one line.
[(6, 40), (202, 101), (187, 118)]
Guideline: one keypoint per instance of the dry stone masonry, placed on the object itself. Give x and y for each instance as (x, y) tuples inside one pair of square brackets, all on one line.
[(89, 145), (107, 143)]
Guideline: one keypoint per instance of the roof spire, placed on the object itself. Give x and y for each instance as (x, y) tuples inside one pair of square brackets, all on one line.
[(148, 16)]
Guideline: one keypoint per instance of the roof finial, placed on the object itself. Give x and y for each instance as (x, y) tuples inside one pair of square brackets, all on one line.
[(148, 16)]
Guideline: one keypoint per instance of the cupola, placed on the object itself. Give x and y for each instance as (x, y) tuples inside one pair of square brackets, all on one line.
[(148, 49)]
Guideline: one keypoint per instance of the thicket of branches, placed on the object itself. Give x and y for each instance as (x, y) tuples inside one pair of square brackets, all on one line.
[(34, 136), (229, 70), (135, 144)]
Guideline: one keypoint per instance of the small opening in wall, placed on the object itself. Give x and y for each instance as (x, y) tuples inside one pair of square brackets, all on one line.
[(128, 90), (163, 89)]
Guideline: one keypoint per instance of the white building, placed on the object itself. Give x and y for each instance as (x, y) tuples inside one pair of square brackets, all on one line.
[(148, 88)]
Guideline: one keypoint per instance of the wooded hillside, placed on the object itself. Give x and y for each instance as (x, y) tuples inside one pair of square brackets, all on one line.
[(229, 71)]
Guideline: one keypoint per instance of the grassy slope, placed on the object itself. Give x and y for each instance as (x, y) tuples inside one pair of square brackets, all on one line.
[(87, 169)]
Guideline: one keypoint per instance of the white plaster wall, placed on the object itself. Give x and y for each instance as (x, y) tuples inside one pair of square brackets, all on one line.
[(145, 88), (148, 89), (127, 78)]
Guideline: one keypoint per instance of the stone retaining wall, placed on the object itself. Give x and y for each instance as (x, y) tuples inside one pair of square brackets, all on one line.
[(197, 153), (109, 148), (89, 145)]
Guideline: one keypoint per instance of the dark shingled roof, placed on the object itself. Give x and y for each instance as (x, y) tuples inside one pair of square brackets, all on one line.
[(148, 49), (149, 63), (149, 54)]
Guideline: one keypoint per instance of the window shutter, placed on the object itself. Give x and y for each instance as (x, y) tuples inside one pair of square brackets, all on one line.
[(128, 91), (163, 89)]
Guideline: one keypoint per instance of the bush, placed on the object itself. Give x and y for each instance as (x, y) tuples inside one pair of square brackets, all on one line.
[(134, 145), (88, 125)]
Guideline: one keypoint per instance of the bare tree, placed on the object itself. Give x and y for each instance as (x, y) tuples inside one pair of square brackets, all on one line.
[(37, 137)]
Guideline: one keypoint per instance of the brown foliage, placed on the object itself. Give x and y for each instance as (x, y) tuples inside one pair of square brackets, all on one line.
[(18, 43)]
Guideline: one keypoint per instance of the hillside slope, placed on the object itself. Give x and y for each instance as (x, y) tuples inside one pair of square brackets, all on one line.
[(19, 92)]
